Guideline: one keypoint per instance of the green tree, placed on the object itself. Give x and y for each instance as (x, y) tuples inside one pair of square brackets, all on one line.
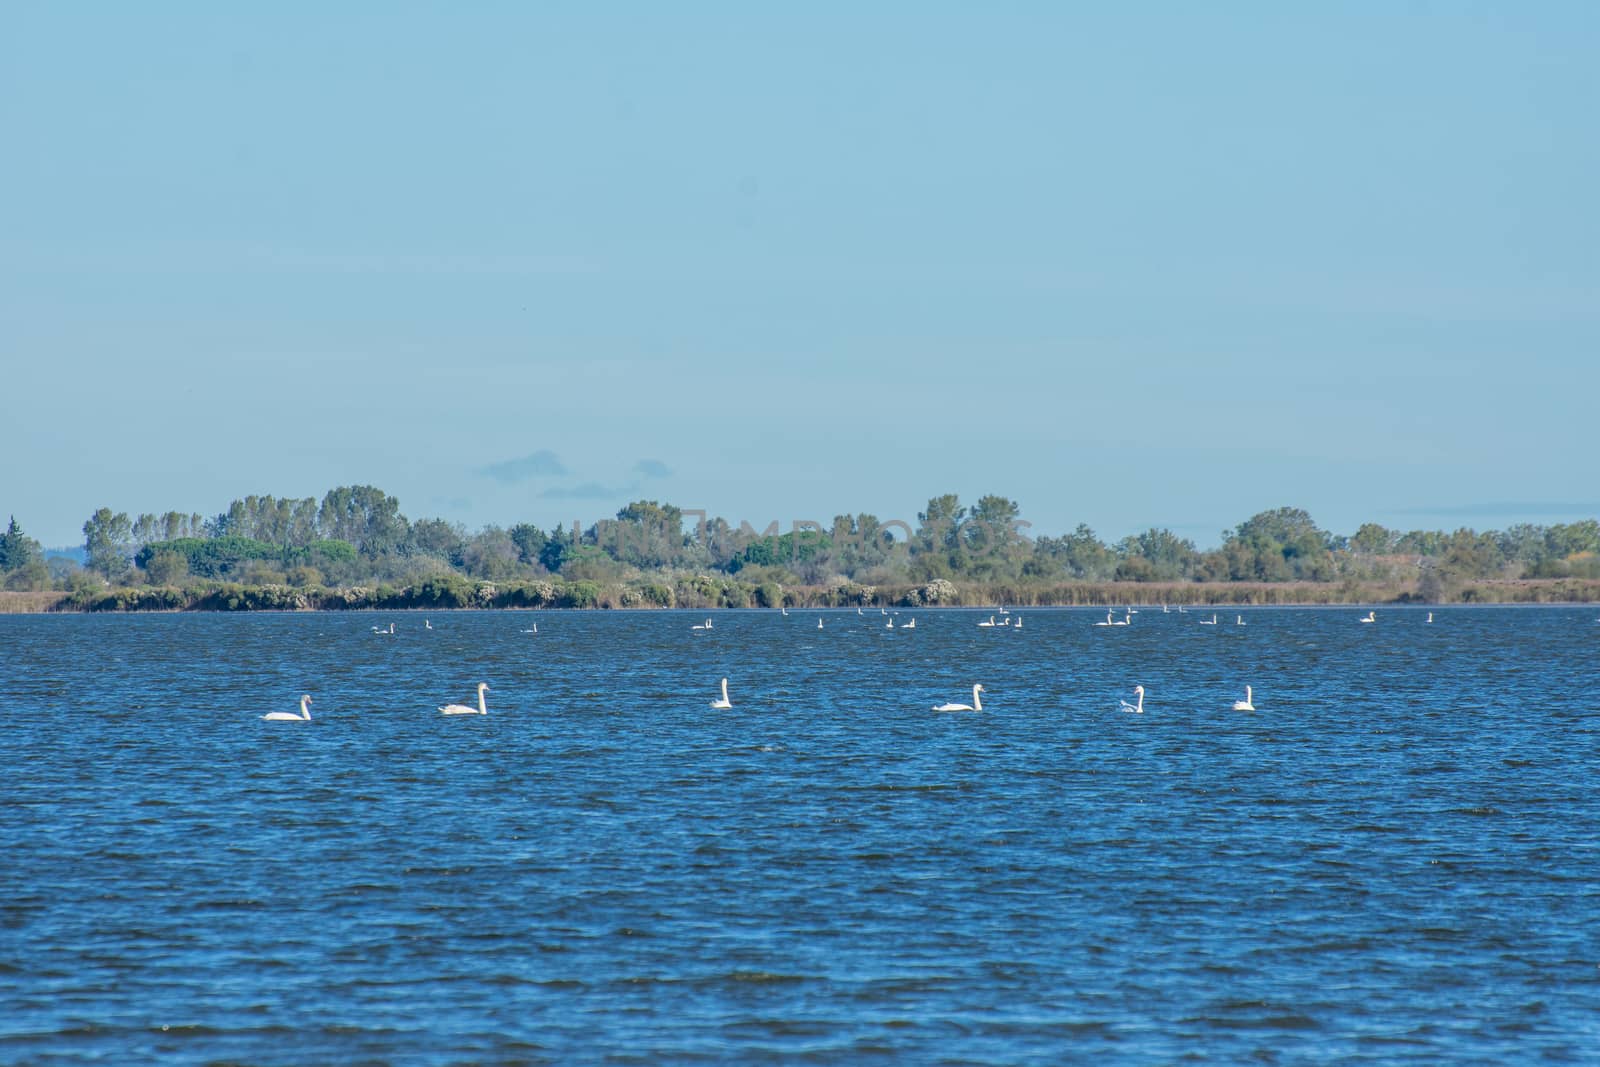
[(1373, 540), (167, 568), (17, 549), (530, 542), (365, 516), (107, 538)]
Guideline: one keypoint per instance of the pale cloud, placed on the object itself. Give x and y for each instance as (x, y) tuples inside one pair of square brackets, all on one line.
[(541, 464)]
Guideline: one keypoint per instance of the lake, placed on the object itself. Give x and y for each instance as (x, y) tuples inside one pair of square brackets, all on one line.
[(1393, 858)]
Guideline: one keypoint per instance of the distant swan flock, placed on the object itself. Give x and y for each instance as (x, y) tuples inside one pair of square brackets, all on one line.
[(723, 702)]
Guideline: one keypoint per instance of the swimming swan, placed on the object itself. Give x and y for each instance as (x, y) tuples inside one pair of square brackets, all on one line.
[(976, 705), (910, 625), (1244, 705), (462, 709), (989, 623), (1209, 622), (724, 702), (381, 630), (1238, 620), (701, 626), (1139, 708), (289, 716), (819, 624), (1372, 616), (1108, 621)]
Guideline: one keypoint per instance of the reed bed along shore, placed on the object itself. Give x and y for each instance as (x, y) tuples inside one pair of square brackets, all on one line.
[(703, 593)]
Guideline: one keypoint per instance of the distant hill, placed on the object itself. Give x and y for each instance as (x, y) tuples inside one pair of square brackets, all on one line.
[(75, 553)]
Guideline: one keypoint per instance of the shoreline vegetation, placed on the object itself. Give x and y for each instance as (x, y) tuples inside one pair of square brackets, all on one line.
[(554, 596), (355, 550)]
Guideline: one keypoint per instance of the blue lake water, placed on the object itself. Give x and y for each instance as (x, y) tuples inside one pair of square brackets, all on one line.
[(1394, 858)]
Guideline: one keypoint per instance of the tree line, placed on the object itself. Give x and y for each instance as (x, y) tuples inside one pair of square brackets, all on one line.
[(357, 536)]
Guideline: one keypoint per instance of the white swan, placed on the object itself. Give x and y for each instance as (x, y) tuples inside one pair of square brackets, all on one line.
[(701, 625), (462, 709), (860, 612), (427, 624), (976, 705), (724, 702), (532, 631), (783, 610), (910, 625), (1430, 616), (1372, 616), (889, 625), (819, 624), (989, 623), (289, 716), (1182, 610), (381, 630), (1238, 620), (1139, 708), (1018, 626), (1108, 621), (1244, 705), (1209, 622)]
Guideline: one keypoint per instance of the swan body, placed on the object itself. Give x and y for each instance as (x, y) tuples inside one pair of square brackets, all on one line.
[(1209, 622), (976, 705), (783, 610), (1371, 616), (819, 624), (910, 624), (1018, 626), (1430, 616), (701, 625), (889, 625), (1136, 708), (989, 623), (289, 716), (381, 630), (1238, 620), (724, 702), (427, 624), (532, 631), (462, 709), (1244, 705)]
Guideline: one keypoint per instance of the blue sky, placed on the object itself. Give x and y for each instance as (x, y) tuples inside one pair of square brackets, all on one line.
[(1131, 265)]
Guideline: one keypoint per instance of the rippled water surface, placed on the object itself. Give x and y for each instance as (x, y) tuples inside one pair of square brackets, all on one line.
[(1393, 858)]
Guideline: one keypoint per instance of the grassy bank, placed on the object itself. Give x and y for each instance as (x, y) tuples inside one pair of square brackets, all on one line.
[(707, 592)]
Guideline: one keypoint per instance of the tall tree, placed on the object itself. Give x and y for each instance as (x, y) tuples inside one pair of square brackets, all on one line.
[(107, 540), (17, 549)]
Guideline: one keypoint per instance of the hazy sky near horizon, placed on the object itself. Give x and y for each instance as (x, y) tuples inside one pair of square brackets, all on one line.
[(1153, 264)]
